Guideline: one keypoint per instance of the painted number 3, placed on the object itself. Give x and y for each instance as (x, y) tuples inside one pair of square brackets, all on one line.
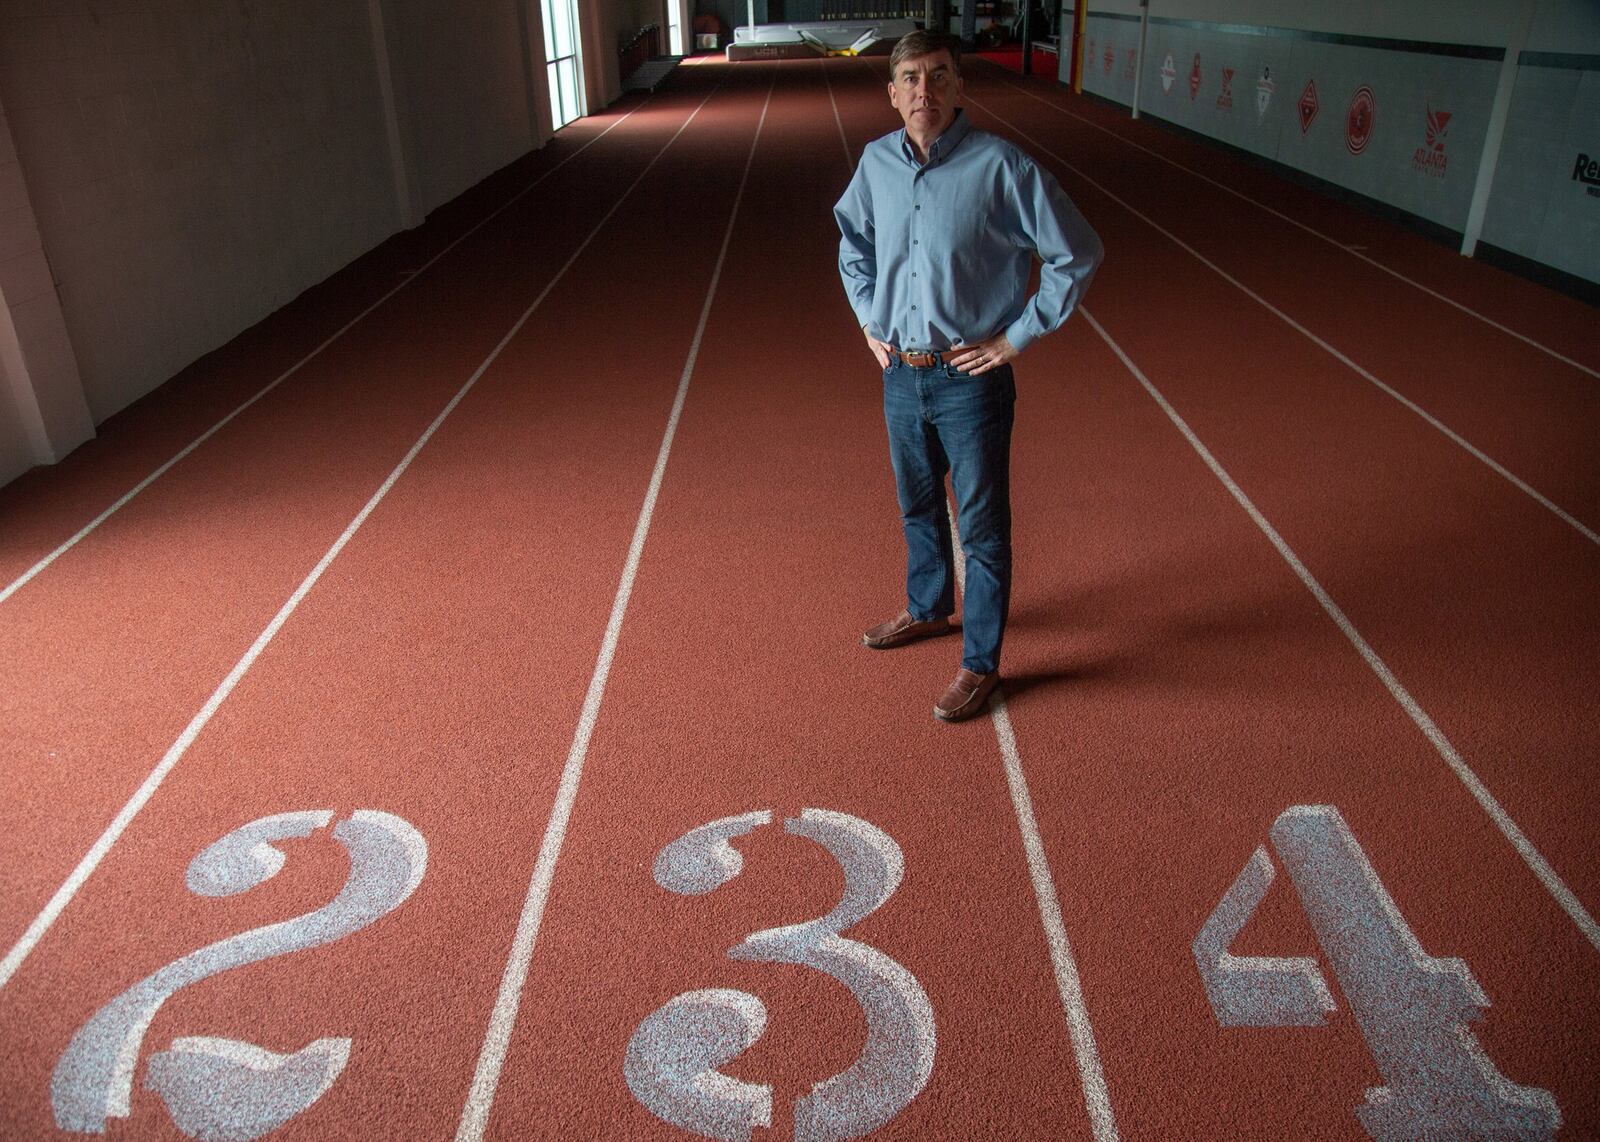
[(218, 1088), (672, 1059)]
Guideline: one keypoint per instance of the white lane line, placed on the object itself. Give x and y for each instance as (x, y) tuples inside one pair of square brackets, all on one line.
[(502, 1020), (1455, 437), (406, 280), (1069, 986), (1540, 867), (849, 159), (1354, 250), (92, 859), (1096, 1097)]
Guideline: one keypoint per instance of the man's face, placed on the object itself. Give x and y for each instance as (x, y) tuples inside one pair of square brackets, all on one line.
[(925, 92)]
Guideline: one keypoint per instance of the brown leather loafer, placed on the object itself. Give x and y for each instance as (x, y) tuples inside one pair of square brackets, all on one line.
[(903, 629), (966, 695)]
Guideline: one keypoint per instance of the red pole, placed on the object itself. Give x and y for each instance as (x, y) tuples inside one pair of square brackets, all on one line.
[(1080, 11)]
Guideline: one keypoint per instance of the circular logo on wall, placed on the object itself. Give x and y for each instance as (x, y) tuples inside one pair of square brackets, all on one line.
[(1168, 74), (1359, 119)]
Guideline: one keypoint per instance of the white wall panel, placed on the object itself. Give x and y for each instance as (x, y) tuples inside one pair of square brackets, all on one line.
[(1237, 70), (1546, 200), (1453, 21)]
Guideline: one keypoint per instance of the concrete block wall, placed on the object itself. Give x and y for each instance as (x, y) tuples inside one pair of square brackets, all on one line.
[(603, 26), (469, 74), (193, 166), (182, 168), (42, 412)]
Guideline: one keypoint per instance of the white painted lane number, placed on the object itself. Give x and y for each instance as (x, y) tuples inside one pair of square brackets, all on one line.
[(1412, 1008), (672, 1059), (218, 1088)]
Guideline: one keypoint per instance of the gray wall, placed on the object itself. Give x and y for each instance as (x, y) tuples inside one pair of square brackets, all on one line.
[(172, 171), (466, 90), (1237, 71), (191, 169)]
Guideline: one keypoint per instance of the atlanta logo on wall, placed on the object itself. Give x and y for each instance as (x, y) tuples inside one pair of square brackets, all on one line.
[(1225, 99), (1264, 89), (1308, 106), (1194, 77), (1128, 68), (1359, 120), (1168, 74), (1110, 57), (1430, 157)]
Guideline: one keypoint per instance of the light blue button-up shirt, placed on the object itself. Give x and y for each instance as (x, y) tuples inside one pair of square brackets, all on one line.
[(938, 254)]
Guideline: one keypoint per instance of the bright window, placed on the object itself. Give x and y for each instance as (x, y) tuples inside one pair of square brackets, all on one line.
[(562, 64)]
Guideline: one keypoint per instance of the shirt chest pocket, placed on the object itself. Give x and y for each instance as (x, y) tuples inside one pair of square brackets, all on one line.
[(954, 229)]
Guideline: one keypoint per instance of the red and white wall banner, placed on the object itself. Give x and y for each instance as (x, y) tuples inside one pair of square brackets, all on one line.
[(1359, 120), (1308, 106), (1264, 89), (1225, 96), (1430, 158)]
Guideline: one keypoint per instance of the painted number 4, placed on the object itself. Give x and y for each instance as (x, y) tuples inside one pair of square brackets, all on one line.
[(1412, 1009), (674, 1054)]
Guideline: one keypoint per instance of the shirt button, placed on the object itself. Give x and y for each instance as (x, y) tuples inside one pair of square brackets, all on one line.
[(919, 207), (916, 242)]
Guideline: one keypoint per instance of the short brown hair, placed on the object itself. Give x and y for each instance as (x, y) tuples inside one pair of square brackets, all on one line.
[(921, 43)]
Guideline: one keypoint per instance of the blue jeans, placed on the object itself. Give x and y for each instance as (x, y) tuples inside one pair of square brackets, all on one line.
[(940, 421)]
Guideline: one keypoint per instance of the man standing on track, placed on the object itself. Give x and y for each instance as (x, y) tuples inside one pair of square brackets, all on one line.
[(940, 225)]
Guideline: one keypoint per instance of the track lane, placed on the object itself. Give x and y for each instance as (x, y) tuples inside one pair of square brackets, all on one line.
[(1525, 411), (1174, 713), (1478, 629), (1145, 698), (740, 685), (106, 658), (46, 507), (435, 674), (1556, 322), (1183, 713)]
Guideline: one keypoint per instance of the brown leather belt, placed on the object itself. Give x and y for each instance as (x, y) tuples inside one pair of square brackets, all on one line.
[(919, 359)]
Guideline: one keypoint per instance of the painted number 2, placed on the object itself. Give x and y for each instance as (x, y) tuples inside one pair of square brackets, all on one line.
[(674, 1054), (225, 1088), (1412, 1008)]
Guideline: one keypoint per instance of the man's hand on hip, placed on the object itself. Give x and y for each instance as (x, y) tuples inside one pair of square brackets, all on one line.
[(981, 356), (880, 349)]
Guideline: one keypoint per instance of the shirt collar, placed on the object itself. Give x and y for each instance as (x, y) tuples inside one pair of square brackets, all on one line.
[(941, 147)]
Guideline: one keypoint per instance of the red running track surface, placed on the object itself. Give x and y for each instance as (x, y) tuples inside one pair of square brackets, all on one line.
[(1292, 533)]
